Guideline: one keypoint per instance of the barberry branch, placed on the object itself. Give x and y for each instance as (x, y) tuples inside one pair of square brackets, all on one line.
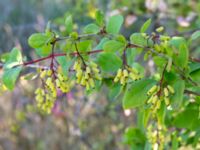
[(58, 55)]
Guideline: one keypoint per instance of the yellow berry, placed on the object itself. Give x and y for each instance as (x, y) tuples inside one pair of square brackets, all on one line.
[(125, 73), (119, 73), (160, 29), (166, 92), (167, 101), (88, 70), (43, 74), (91, 82), (49, 72), (116, 79), (152, 90), (171, 89)]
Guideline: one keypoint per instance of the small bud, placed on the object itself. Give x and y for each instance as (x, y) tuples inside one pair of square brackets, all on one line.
[(160, 29), (116, 79), (122, 80), (167, 101), (43, 74), (93, 65), (125, 73), (91, 82), (166, 92), (49, 72), (152, 90), (88, 70), (87, 86), (119, 73), (171, 89), (83, 82), (154, 99)]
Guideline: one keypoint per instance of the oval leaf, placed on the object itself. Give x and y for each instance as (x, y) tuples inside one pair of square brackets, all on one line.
[(91, 28), (145, 26), (136, 94), (37, 40), (195, 35), (10, 76), (109, 62), (114, 24), (113, 46)]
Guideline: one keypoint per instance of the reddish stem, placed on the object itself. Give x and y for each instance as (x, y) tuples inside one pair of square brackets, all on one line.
[(58, 55)]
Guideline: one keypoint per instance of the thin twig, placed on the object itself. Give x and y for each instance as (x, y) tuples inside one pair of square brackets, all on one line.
[(79, 55), (191, 92), (161, 81)]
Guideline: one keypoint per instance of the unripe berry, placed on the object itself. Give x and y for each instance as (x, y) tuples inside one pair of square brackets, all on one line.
[(166, 92), (116, 79), (167, 101), (119, 73), (43, 74), (125, 73), (160, 29), (152, 90), (171, 89), (91, 82)]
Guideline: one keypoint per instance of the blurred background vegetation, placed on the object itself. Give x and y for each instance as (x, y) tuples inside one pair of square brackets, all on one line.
[(78, 122)]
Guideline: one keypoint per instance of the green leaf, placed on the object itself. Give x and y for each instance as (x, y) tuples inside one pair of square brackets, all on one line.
[(4, 57), (194, 66), (161, 113), (65, 62), (101, 43), (177, 98), (99, 18), (134, 136), (177, 41), (159, 61), (109, 62), (114, 91), (187, 119), (195, 75), (138, 39), (114, 24), (85, 46), (136, 94), (91, 28), (44, 50), (113, 46), (145, 26), (195, 35), (14, 58), (69, 24), (174, 141), (10, 76), (180, 57), (183, 55), (38, 40)]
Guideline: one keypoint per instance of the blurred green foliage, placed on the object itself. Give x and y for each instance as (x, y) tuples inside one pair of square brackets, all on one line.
[(97, 122)]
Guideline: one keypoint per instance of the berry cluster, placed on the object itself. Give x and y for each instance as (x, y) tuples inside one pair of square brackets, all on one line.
[(86, 75), (155, 99), (155, 135), (46, 96), (124, 75)]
